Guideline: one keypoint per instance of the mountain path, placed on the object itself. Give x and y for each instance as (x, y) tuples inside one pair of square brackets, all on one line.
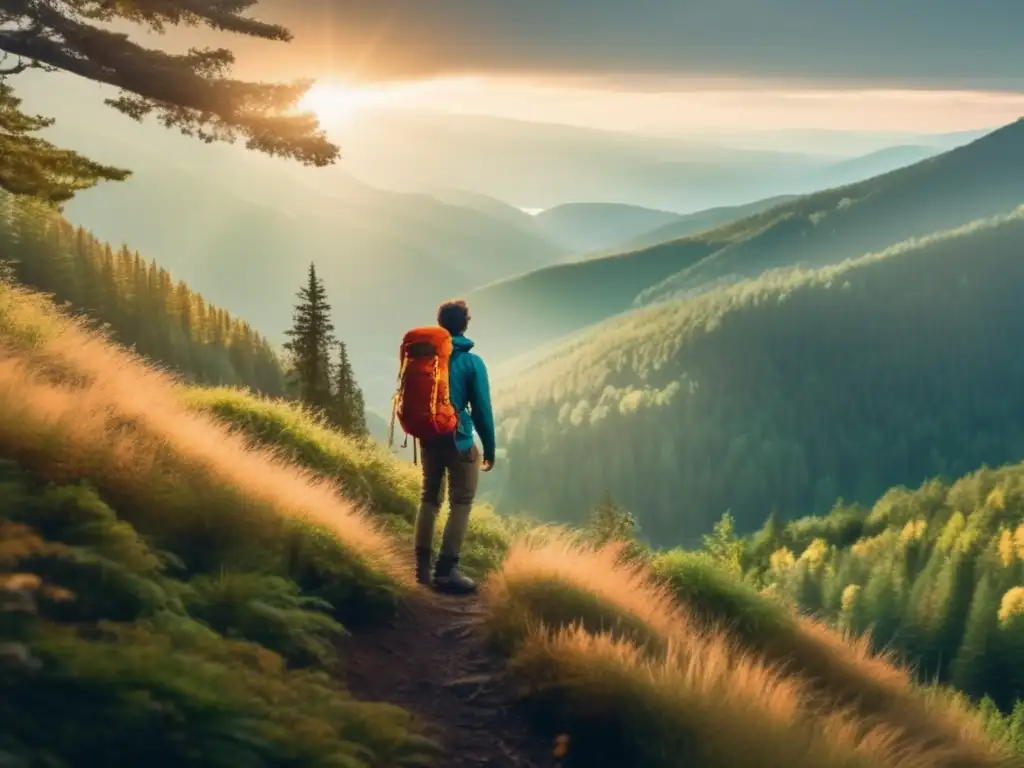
[(432, 660)]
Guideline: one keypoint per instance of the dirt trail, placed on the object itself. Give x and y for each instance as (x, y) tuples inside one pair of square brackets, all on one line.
[(432, 660)]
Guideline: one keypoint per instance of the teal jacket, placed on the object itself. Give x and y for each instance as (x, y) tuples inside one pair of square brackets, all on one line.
[(469, 389)]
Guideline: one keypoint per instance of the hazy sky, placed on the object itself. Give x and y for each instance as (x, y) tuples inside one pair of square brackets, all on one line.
[(667, 66), (944, 43)]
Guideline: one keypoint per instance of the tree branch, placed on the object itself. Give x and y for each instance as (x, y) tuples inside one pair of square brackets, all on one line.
[(189, 90)]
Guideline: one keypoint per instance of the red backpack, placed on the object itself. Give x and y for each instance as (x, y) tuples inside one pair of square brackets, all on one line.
[(422, 404)]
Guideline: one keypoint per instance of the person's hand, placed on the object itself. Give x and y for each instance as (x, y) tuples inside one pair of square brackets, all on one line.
[(487, 465)]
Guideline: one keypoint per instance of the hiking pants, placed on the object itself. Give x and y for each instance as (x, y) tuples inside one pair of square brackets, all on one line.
[(440, 457)]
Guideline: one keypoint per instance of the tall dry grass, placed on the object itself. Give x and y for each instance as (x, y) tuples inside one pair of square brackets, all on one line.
[(841, 668), (601, 646), (74, 406), (553, 578)]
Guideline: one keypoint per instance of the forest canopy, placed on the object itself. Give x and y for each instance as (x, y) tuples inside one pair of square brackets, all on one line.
[(787, 392)]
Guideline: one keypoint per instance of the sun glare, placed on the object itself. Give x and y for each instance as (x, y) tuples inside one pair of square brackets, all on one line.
[(334, 104)]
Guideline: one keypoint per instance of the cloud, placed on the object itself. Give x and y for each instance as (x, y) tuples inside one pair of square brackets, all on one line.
[(947, 43)]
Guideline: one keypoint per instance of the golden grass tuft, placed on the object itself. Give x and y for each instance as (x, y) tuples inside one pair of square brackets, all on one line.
[(604, 647), (706, 703), (553, 577), (877, 682), (75, 406)]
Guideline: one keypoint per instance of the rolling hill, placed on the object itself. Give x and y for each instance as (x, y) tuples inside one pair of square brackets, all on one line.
[(588, 227), (973, 181), (784, 392)]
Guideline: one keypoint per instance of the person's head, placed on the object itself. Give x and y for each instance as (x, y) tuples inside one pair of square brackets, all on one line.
[(453, 316)]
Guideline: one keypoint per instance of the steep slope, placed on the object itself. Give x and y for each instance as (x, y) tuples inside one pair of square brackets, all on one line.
[(973, 181), (586, 227), (630, 674), (140, 622), (170, 595), (691, 223), (786, 392), (945, 191)]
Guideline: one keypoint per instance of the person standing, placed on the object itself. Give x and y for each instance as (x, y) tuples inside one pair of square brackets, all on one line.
[(444, 395)]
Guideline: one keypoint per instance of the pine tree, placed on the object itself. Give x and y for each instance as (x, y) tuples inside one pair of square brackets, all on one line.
[(971, 668), (311, 338), (190, 91), (349, 411)]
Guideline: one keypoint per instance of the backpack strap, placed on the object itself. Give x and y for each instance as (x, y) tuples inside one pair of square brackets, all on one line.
[(433, 392)]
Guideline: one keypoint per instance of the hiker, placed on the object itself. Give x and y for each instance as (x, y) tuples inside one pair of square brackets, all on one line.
[(443, 394)]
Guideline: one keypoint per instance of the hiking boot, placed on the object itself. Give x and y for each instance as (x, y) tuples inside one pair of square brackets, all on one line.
[(423, 557), (449, 578)]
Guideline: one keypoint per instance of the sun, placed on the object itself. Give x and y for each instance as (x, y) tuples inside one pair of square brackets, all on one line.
[(333, 104)]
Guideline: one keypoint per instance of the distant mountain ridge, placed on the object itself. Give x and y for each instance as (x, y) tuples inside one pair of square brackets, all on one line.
[(974, 181)]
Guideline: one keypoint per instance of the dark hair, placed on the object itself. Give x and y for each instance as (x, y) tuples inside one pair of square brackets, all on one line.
[(453, 316)]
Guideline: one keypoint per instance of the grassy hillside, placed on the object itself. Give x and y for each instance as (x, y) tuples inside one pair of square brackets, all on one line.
[(589, 227), (605, 652), (171, 595), (784, 392), (179, 567), (946, 191)]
